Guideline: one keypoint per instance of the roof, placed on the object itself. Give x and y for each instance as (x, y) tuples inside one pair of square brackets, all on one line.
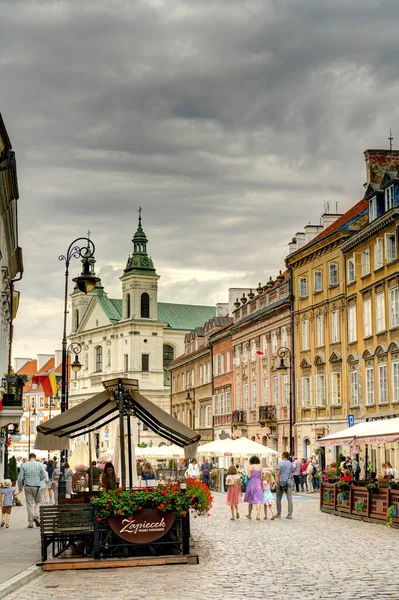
[(111, 307), (184, 316)]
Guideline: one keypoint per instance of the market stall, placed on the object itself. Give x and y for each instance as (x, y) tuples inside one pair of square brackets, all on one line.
[(107, 526)]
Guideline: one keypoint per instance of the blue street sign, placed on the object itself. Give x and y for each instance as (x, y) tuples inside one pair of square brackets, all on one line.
[(351, 420)]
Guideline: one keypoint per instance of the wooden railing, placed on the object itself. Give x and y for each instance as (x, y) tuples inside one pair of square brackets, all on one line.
[(358, 502)]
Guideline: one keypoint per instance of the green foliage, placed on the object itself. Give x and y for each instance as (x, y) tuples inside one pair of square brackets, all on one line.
[(340, 458), (12, 469), (390, 515)]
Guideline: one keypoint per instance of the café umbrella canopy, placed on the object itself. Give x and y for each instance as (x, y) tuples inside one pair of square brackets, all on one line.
[(160, 452), (371, 432), (240, 447)]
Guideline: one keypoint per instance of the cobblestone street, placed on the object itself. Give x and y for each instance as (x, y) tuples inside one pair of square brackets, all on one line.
[(313, 556)]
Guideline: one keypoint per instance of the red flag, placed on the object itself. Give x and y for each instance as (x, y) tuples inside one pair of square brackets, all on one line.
[(259, 353), (48, 381)]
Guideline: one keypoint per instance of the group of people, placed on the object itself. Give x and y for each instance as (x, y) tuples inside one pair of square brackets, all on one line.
[(260, 484), (306, 474)]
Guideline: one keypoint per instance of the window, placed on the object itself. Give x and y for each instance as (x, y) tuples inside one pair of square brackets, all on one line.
[(393, 307), (238, 397), (32, 429), (284, 337), (382, 384), (254, 395), (395, 381), (389, 198), (168, 355), (41, 402), (303, 287), (208, 416), (320, 330), (351, 270), (365, 257), (274, 342), (306, 392), (128, 306), (265, 392), (145, 362), (76, 318), (390, 247), (305, 335), (183, 381), (320, 390), (216, 405), (275, 391), (228, 361), (286, 383), (221, 404), (354, 382), (215, 365), (373, 208), (367, 322), (23, 426), (228, 403), (208, 371), (336, 388), (24, 403), (245, 396), (145, 306), (333, 274), (352, 334), (378, 254), (126, 362), (264, 344), (253, 350), (99, 358), (245, 353), (334, 326), (380, 310), (201, 375), (221, 364), (369, 386), (318, 281)]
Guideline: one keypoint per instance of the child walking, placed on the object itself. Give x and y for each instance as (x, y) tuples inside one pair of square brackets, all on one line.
[(7, 495), (267, 484), (233, 499)]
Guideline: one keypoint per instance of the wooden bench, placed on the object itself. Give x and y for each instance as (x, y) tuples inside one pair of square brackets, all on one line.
[(63, 526)]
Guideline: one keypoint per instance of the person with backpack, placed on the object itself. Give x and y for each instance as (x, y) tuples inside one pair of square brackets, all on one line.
[(315, 475)]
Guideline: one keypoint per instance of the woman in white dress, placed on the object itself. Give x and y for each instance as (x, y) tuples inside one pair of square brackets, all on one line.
[(193, 470)]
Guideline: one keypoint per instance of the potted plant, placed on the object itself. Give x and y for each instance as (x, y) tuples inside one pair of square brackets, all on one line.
[(391, 514), (343, 485), (372, 487)]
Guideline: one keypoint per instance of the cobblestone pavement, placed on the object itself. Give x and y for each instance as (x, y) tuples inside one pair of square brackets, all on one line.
[(314, 556)]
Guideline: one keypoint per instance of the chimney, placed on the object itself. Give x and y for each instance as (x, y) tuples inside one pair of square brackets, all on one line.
[(311, 231), (222, 309), (57, 358), (379, 161), (42, 359), (20, 362), (297, 242), (328, 219)]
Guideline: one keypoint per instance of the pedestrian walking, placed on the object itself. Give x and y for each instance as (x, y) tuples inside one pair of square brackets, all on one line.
[(309, 473), (254, 492), (304, 476), (233, 498), (30, 477), (315, 474), (7, 495), (268, 484), (54, 483), (296, 471), (284, 484), (48, 492), (206, 472), (68, 474)]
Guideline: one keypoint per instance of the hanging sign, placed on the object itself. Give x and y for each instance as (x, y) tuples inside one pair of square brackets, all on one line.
[(106, 433), (143, 527)]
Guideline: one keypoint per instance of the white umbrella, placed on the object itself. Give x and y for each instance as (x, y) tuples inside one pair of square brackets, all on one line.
[(241, 447), (80, 454), (117, 457), (172, 451)]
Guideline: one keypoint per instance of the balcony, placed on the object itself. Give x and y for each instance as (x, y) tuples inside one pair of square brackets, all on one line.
[(239, 417), (12, 400), (267, 414)]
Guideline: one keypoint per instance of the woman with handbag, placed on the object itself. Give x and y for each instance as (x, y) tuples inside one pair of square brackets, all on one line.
[(254, 492)]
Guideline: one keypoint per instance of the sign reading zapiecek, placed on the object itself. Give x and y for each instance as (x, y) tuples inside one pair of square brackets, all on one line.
[(143, 527)]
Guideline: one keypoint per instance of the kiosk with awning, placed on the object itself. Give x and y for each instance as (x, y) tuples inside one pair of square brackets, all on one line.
[(79, 521)]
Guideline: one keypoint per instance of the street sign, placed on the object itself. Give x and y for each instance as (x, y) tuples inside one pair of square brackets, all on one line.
[(351, 420)]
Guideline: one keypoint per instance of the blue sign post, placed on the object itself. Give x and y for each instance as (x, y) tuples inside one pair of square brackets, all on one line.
[(351, 420)]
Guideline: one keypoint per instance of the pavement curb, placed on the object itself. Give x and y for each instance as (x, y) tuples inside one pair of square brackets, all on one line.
[(9, 586)]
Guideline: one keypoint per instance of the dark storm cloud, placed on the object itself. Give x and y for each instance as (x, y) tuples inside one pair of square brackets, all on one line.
[(231, 123)]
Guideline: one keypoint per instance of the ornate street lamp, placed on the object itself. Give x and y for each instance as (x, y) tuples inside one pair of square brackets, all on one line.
[(86, 282), (190, 399), (282, 352)]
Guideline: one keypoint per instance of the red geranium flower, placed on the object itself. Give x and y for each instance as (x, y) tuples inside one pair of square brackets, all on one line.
[(99, 519), (120, 512), (130, 518)]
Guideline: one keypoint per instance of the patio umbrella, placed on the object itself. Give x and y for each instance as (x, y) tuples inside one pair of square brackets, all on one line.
[(117, 456), (241, 447), (172, 451), (80, 454)]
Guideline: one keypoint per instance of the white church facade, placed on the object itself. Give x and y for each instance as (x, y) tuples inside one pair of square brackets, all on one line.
[(134, 336)]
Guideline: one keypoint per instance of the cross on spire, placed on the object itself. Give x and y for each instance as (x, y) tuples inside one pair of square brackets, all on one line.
[(390, 139), (140, 210)]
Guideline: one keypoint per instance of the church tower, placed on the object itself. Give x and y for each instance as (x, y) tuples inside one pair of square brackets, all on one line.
[(140, 281)]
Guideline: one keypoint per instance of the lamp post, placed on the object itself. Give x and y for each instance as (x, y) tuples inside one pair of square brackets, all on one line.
[(282, 352), (190, 389), (86, 282)]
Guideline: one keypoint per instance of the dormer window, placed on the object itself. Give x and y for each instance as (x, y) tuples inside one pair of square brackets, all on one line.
[(351, 270), (373, 208), (389, 196)]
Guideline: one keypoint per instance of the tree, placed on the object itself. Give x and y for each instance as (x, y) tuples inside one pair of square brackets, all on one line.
[(13, 470)]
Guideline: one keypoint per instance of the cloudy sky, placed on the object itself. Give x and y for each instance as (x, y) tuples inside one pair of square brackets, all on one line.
[(230, 122)]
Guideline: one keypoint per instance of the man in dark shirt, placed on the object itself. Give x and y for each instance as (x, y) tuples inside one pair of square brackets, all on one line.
[(206, 472), (96, 473)]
